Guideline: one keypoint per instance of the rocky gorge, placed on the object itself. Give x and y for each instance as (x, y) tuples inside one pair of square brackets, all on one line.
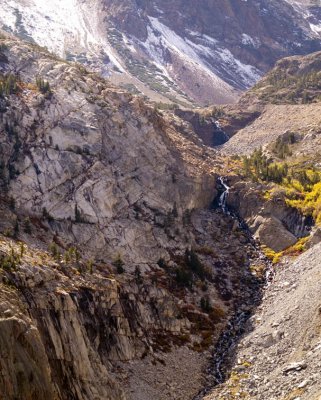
[(112, 255), (131, 253)]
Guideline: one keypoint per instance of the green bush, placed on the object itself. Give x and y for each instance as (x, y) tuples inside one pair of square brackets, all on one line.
[(9, 262), (8, 85), (43, 86), (119, 264), (206, 304), (193, 262)]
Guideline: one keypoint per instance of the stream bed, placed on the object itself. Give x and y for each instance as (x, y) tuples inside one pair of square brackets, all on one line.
[(225, 349)]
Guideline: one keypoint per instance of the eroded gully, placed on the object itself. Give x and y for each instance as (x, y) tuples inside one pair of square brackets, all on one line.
[(225, 349)]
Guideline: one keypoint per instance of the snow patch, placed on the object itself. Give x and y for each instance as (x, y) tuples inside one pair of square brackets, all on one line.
[(315, 28), (247, 40), (197, 52), (160, 36), (249, 74), (63, 26)]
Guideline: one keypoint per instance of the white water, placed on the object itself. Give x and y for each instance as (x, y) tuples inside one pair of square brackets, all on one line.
[(270, 273), (224, 195)]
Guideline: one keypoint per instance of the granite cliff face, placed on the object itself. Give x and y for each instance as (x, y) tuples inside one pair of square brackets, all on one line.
[(171, 50), (94, 154)]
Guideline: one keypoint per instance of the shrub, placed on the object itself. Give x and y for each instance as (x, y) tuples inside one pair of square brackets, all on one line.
[(281, 147), (194, 263), (72, 255), (90, 266), (217, 314), (8, 85), (205, 304), (43, 86), (183, 278), (53, 249), (271, 254), (119, 264), (9, 262), (27, 226)]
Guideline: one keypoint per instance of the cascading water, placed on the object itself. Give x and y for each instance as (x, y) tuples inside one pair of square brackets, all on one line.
[(223, 196), (223, 136), (236, 326)]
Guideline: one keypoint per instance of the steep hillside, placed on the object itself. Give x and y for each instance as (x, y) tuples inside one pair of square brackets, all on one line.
[(117, 275), (171, 50), (287, 98), (132, 254), (280, 357)]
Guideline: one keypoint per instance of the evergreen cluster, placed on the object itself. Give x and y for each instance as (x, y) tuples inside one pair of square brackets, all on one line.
[(284, 87), (10, 262), (43, 86), (205, 304), (8, 85), (191, 268), (259, 167), (119, 264), (281, 147)]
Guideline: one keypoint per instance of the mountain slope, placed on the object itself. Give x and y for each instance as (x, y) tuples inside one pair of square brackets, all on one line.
[(278, 355), (119, 269), (280, 358), (287, 98), (180, 52)]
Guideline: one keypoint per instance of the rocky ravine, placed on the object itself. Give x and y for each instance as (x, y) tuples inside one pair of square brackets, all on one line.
[(117, 276)]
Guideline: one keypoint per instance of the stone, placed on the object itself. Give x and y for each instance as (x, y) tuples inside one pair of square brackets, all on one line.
[(303, 384), (296, 366)]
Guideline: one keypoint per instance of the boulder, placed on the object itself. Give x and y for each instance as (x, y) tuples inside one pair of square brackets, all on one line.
[(273, 233)]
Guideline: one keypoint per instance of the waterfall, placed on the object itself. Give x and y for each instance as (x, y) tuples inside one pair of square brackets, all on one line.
[(219, 128), (223, 197)]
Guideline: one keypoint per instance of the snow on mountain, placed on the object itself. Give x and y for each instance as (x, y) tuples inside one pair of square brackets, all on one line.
[(204, 53), (66, 27)]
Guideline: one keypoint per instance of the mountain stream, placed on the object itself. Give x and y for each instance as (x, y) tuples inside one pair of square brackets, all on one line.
[(225, 348)]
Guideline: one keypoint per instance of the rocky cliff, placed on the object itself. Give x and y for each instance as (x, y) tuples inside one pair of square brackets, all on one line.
[(89, 153)]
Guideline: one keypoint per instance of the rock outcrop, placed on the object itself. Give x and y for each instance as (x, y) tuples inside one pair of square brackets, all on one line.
[(271, 220), (89, 156)]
